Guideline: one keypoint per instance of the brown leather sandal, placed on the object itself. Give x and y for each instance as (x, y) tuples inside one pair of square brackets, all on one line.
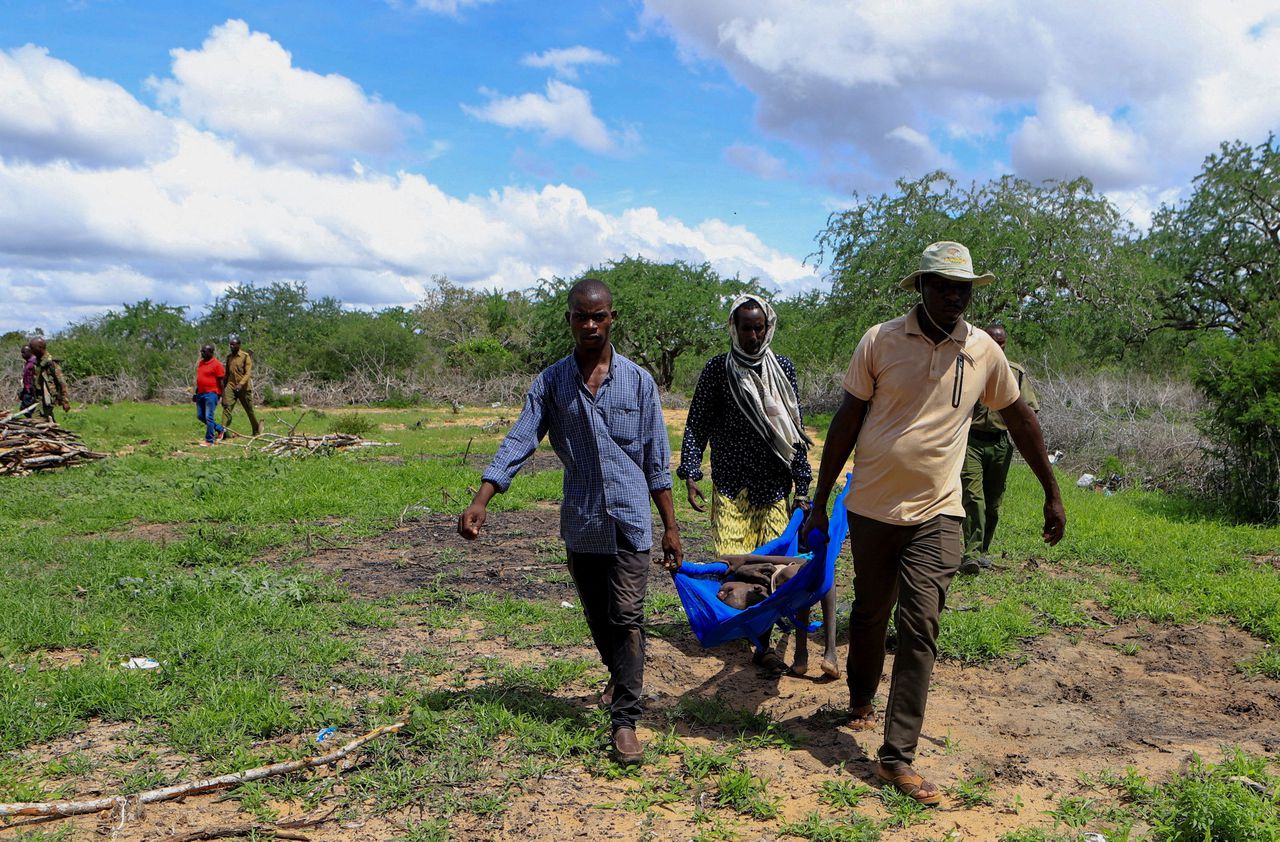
[(862, 719), (911, 785)]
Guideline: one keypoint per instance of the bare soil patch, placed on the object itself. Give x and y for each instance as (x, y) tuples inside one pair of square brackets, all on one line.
[(160, 533)]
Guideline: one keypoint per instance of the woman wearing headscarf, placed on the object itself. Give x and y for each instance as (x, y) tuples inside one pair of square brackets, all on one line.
[(746, 407)]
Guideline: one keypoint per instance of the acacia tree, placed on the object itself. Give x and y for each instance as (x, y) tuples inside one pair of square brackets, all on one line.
[(1222, 246), (665, 310), (1065, 260), (1221, 249)]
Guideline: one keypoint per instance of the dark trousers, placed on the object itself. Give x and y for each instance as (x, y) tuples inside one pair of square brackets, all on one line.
[(612, 589), (982, 481), (25, 399), (910, 566), (206, 403), (245, 399)]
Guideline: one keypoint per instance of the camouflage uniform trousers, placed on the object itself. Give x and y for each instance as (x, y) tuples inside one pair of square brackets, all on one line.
[(982, 480)]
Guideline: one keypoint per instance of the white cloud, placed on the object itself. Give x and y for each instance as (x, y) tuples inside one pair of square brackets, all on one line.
[(564, 113), (565, 62), (181, 227), (443, 7), (1066, 137), (243, 85), (49, 111), (756, 161), (1130, 94)]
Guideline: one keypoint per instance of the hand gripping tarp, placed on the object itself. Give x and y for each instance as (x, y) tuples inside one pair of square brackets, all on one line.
[(714, 622)]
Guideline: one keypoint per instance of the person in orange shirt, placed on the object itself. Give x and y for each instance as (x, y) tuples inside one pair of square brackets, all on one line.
[(209, 374)]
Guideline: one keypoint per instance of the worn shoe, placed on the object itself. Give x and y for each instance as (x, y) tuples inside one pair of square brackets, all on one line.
[(906, 781), (970, 566), (984, 562), (626, 746)]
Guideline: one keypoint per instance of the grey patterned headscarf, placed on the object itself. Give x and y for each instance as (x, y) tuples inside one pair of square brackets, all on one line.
[(760, 387)]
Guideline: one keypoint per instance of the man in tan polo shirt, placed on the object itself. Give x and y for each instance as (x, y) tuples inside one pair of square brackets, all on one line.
[(909, 397)]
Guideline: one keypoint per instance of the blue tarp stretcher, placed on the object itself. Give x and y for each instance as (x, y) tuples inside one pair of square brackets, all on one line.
[(714, 622)]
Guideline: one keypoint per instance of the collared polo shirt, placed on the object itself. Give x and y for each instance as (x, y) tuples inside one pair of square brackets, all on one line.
[(613, 445), (920, 399)]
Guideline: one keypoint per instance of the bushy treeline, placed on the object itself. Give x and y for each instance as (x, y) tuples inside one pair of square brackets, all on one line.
[(1195, 299)]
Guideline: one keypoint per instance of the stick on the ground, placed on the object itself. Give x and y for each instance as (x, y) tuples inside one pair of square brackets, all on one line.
[(242, 830), (168, 793)]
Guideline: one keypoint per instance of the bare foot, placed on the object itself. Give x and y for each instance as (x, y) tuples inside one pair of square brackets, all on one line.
[(862, 718), (800, 666), (829, 667)]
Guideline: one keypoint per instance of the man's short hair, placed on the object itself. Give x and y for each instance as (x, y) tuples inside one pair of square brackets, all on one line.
[(235, 337), (998, 326), (591, 287)]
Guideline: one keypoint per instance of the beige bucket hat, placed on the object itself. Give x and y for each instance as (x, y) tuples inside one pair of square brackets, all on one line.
[(949, 259)]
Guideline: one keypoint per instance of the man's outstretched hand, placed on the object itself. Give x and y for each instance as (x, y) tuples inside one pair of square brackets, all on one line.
[(471, 521), (1055, 521), (696, 499), (672, 551)]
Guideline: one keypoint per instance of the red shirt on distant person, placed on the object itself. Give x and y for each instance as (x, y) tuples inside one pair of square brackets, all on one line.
[(209, 374)]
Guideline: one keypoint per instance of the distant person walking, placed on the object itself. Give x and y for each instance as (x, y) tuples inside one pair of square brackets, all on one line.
[(602, 414), (27, 393), (986, 468), (746, 406), (209, 375), (237, 385), (47, 381), (909, 396)]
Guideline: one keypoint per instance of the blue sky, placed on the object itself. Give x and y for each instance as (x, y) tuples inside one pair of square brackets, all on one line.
[(166, 150)]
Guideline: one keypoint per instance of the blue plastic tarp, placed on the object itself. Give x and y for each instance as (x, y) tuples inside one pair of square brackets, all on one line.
[(713, 622)]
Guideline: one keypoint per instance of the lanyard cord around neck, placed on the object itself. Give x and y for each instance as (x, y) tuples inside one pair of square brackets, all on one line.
[(957, 384)]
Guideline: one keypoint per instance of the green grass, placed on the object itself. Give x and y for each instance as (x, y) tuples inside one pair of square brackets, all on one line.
[(1136, 555)]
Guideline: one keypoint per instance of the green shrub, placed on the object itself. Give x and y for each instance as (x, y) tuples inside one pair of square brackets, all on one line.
[(1241, 379), (352, 424), (482, 357)]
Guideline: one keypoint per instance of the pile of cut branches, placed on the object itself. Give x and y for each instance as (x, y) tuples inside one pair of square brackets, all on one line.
[(34, 444), (298, 444)]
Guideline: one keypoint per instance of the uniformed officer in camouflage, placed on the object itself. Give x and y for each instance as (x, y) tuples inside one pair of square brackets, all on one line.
[(237, 385), (50, 387), (986, 467)]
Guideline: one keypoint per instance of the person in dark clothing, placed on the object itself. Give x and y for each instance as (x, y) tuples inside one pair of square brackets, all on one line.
[(746, 407), (27, 393)]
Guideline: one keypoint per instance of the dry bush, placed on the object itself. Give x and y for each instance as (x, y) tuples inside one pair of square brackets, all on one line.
[(1145, 426), (96, 388), (821, 390)]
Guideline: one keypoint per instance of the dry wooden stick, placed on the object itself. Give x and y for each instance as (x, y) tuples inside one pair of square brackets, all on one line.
[(168, 793), (241, 830)]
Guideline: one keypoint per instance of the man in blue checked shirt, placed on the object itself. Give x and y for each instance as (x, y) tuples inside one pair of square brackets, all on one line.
[(605, 422)]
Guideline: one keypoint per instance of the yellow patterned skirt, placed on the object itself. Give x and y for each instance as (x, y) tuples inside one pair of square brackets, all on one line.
[(739, 528)]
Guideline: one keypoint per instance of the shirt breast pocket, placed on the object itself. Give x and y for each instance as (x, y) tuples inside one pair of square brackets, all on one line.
[(624, 423)]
